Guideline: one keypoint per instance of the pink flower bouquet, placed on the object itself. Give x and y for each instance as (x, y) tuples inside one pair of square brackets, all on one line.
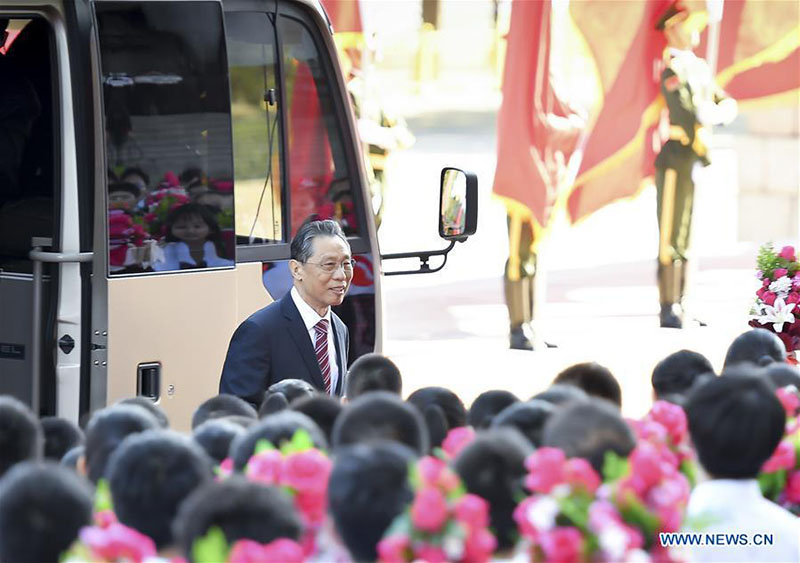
[(777, 306), (443, 522), (780, 475), (168, 196), (115, 542), (214, 548)]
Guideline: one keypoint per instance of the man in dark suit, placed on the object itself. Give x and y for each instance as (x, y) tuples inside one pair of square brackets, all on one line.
[(298, 336)]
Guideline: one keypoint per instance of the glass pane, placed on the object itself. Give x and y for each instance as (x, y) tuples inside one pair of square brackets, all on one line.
[(320, 181), (168, 136), (256, 127)]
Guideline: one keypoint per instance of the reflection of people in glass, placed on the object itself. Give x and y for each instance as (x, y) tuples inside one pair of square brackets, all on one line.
[(123, 195), (453, 217), (193, 240)]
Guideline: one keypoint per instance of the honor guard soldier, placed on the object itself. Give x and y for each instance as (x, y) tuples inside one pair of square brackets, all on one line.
[(694, 103)]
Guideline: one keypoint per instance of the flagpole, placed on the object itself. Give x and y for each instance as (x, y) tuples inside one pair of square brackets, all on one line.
[(715, 9)]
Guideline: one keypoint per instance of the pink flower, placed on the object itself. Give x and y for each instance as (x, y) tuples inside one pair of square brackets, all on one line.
[(562, 544), (307, 471), (429, 510), (782, 458), (435, 473), (789, 400), (601, 514), (787, 253), (171, 179), (393, 549), (769, 298), (225, 468), (457, 439), (766, 283), (104, 518), (430, 553), (524, 524), (473, 511), (796, 281), (282, 550), (479, 546), (672, 418), (312, 506), (793, 487), (117, 542), (646, 464), (579, 472), (780, 272), (265, 467), (793, 298), (546, 469)]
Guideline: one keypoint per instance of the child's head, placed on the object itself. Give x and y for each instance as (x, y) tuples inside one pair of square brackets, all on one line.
[(756, 346), (735, 422), (368, 488), (192, 223), (529, 418), (157, 412), (678, 372), (451, 405), (42, 508), (220, 406), (322, 409), (21, 438), (372, 372), (137, 177), (150, 474), (596, 380), (561, 394), (106, 431), (216, 436), (275, 429), (60, 436), (122, 195), (488, 405), (241, 509)]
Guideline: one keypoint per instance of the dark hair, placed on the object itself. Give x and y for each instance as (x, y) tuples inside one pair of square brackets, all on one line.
[(21, 437), (492, 466), (735, 422), (240, 509), (292, 389), (436, 421), (380, 415), (596, 380), (679, 371), (589, 429), (70, 459), (757, 346), (216, 436), (561, 394), (196, 210), (368, 488), (322, 409), (220, 406), (451, 405), (372, 372), (138, 172), (106, 431), (272, 403), (60, 436), (191, 177), (276, 429), (529, 418), (487, 405), (148, 404), (302, 243), (782, 374), (42, 508), (150, 474), (128, 187)]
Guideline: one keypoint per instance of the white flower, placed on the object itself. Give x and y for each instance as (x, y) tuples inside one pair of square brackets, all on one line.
[(777, 314), (781, 286), (453, 547), (542, 514), (614, 541)]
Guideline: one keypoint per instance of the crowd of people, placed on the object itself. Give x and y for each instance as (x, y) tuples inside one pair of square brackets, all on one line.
[(561, 476)]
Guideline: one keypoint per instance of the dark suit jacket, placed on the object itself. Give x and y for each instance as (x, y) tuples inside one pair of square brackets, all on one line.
[(273, 344)]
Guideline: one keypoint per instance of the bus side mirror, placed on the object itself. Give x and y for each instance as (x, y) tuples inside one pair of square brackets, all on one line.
[(458, 204)]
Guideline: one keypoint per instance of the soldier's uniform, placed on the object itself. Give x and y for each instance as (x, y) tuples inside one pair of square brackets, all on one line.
[(518, 282), (692, 100)]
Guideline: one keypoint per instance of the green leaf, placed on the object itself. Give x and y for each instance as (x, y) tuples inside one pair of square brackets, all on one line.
[(772, 483), (102, 497), (576, 508), (768, 260), (634, 512), (211, 548), (301, 441), (263, 446), (413, 476), (689, 469), (614, 467)]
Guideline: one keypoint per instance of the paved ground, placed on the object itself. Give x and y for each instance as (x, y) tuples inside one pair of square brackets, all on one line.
[(600, 298)]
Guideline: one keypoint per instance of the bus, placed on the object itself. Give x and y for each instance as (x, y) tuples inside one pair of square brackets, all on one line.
[(156, 159)]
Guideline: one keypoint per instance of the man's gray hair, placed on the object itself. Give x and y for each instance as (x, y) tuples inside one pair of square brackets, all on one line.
[(302, 248)]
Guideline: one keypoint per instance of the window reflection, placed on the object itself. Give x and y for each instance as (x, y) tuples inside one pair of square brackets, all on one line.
[(167, 118)]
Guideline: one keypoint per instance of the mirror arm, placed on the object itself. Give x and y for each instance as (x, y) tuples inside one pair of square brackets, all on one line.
[(424, 257)]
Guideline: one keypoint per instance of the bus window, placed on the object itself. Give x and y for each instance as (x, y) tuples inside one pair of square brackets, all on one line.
[(319, 178), (168, 131), (256, 128)]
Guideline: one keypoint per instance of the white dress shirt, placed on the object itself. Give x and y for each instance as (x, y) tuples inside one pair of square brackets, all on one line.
[(736, 506), (310, 319)]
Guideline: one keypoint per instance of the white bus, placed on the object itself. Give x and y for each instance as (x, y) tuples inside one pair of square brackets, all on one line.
[(156, 158)]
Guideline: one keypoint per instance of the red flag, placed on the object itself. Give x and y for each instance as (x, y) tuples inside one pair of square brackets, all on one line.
[(345, 15), (620, 151), (534, 139)]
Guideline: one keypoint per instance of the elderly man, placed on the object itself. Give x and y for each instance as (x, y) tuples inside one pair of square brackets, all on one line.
[(297, 336)]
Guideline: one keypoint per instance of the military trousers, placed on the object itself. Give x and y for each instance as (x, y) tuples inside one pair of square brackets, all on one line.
[(520, 270), (675, 199)]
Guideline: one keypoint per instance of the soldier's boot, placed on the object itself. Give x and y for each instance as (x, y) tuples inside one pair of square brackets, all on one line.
[(668, 287), (683, 273), (518, 300)]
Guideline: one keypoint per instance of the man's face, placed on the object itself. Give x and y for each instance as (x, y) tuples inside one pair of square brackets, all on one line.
[(317, 286)]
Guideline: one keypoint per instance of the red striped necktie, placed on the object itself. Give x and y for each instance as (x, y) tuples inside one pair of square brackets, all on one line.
[(321, 349)]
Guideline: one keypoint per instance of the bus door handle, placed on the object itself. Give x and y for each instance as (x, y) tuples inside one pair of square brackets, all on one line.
[(148, 380)]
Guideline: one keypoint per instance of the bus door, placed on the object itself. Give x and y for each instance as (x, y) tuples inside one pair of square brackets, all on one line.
[(40, 260), (296, 154), (168, 282)]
